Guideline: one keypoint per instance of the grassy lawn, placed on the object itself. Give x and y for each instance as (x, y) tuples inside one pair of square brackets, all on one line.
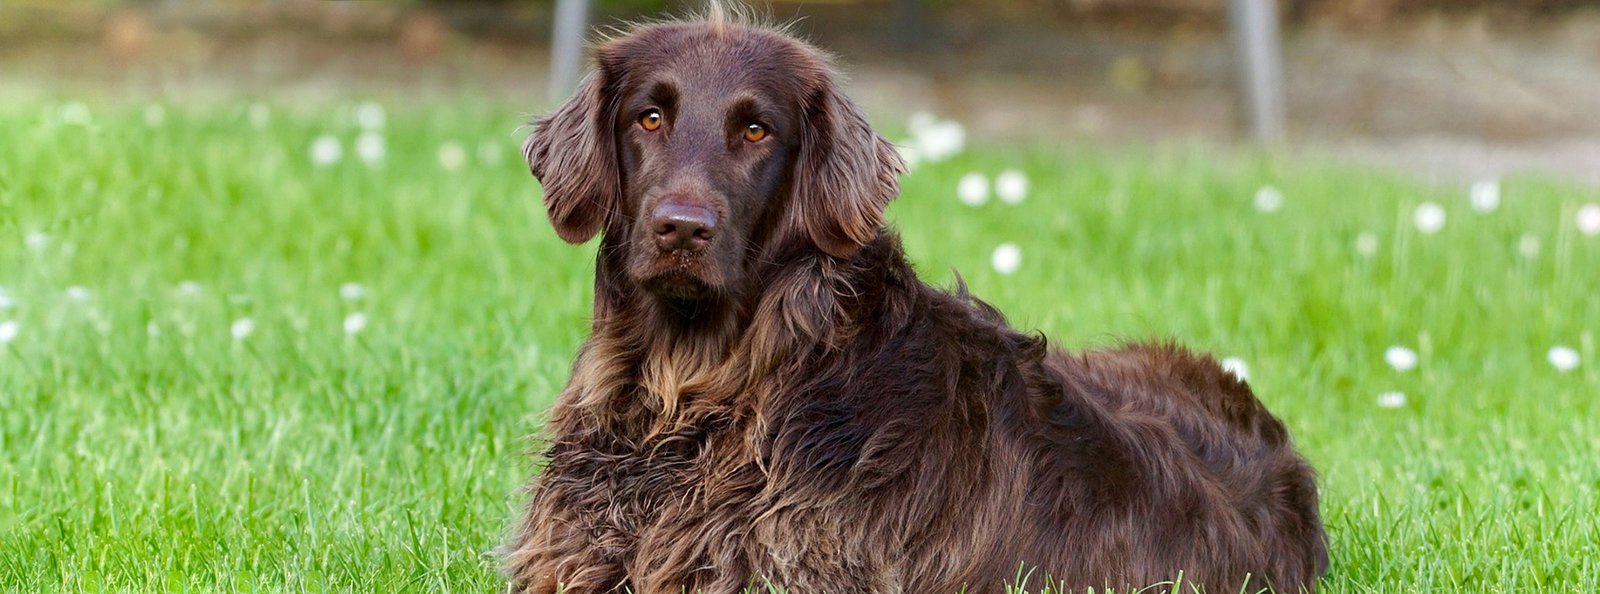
[(229, 368)]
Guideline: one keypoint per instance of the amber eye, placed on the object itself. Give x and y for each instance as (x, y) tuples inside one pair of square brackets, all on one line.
[(755, 132), (651, 120)]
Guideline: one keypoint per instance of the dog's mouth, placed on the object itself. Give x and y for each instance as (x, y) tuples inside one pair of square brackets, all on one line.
[(677, 285), (677, 276)]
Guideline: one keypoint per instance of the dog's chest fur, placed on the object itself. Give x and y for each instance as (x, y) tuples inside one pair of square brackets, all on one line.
[(695, 507)]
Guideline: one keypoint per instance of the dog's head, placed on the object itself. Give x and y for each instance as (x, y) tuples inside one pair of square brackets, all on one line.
[(698, 147)]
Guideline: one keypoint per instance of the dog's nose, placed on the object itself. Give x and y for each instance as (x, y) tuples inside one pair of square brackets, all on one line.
[(681, 226)]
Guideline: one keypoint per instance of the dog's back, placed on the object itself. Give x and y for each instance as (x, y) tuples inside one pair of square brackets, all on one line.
[(1122, 468), (1194, 473)]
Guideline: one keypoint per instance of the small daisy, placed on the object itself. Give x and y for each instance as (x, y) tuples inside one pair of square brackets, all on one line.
[(1528, 245), (1400, 358), (370, 147), (451, 156), (1007, 258), (1367, 244), (491, 153), (909, 155), (75, 113), (1011, 186), (1237, 367), (1391, 400), (325, 151), (370, 115), (352, 291), (152, 329), (77, 293), (1589, 219), (242, 328), (973, 189), (36, 241), (1485, 196), (1429, 218), (940, 139), (1563, 358), (189, 288), (155, 115), (260, 115), (6, 302), (1269, 199), (354, 323), (8, 331)]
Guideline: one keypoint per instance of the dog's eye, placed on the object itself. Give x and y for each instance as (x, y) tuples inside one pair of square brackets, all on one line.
[(651, 120), (755, 132)]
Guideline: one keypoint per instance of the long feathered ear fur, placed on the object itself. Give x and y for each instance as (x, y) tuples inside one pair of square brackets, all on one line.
[(573, 153), (845, 175)]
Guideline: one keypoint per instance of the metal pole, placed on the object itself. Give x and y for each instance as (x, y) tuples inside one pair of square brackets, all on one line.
[(566, 53), (1259, 59)]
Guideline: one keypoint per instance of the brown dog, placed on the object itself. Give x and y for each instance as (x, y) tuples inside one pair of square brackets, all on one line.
[(771, 396)]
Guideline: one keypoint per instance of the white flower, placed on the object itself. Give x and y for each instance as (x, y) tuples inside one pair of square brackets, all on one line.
[(1011, 186), (242, 328), (154, 115), (490, 153), (1269, 199), (451, 156), (1429, 218), (370, 115), (188, 288), (370, 147), (77, 293), (1563, 358), (1391, 400), (1237, 367), (1400, 358), (8, 331), (6, 302), (260, 115), (909, 155), (354, 323), (973, 189), (75, 113), (36, 241), (1589, 219), (1528, 245), (935, 139), (1486, 196), (1367, 244), (152, 329), (325, 151), (352, 291), (1007, 258)]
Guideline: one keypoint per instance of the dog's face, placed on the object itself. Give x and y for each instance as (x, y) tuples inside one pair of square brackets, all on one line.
[(698, 147)]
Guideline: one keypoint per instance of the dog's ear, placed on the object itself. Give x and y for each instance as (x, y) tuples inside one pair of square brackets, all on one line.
[(845, 174), (573, 153)]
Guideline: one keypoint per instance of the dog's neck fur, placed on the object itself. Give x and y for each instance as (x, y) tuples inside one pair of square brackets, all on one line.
[(718, 354)]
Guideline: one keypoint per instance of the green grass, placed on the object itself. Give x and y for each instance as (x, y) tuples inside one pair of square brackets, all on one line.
[(142, 448)]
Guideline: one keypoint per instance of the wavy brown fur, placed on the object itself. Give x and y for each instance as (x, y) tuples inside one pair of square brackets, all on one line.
[(828, 423)]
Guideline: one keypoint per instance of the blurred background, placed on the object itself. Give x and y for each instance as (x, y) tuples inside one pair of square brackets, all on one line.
[(1446, 89)]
